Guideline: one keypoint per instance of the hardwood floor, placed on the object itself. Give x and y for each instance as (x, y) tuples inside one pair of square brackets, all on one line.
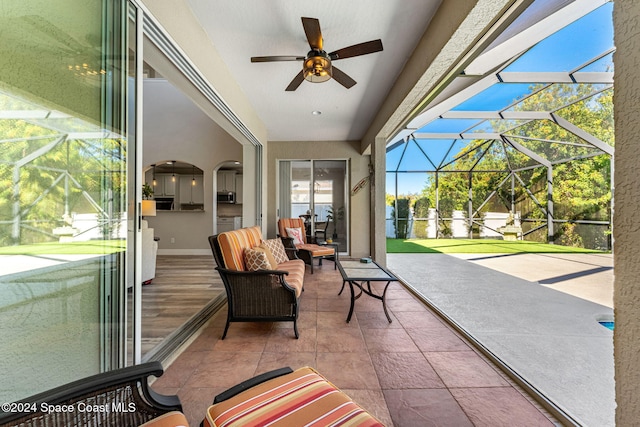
[(182, 287)]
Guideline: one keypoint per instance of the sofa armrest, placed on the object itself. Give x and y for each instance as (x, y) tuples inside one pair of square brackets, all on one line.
[(290, 247)]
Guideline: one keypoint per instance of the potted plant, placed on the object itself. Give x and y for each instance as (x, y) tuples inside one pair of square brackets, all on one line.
[(147, 192), (334, 215)]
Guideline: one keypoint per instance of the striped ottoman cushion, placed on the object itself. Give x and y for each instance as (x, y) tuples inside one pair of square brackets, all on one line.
[(301, 398)]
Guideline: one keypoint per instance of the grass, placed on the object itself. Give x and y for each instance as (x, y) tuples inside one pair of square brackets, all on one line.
[(90, 247), (476, 246)]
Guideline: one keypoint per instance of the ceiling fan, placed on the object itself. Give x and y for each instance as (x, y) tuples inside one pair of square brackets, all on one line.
[(317, 66)]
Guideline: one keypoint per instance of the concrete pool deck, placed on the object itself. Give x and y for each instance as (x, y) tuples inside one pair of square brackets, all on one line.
[(537, 312)]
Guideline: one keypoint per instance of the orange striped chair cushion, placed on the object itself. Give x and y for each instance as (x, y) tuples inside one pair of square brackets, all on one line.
[(301, 398), (233, 243), (285, 223), (317, 250)]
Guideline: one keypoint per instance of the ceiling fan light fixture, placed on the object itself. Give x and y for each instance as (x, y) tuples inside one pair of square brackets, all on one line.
[(317, 67)]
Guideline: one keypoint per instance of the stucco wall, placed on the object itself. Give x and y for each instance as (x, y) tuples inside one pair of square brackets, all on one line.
[(626, 228), (175, 129), (359, 168)]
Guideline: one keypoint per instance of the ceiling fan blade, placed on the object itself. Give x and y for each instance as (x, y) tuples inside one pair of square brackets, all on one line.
[(342, 78), (297, 81), (312, 30), (276, 58), (357, 50)]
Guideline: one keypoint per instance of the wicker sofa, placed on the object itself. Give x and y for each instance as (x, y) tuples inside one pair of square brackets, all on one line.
[(90, 402), (255, 296)]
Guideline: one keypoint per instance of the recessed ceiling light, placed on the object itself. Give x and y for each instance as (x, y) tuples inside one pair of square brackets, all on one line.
[(316, 113)]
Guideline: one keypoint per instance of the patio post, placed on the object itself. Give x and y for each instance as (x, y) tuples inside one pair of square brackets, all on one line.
[(550, 236)]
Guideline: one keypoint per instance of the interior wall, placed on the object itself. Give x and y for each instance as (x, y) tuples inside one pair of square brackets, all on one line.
[(626, 233), (175, 129), (358, 169)]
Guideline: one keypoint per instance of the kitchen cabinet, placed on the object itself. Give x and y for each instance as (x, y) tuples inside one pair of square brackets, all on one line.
[(238, 188), (229, 223), (165, 185), (189, 193), (226, 181)]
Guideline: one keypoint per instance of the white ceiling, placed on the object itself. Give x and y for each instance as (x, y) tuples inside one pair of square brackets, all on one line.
[(242, 29)]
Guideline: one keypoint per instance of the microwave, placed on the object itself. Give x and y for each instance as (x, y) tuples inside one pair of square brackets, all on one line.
[(226, 197)]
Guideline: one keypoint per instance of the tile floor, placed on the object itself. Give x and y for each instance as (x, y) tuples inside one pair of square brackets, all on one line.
[(415, 371)]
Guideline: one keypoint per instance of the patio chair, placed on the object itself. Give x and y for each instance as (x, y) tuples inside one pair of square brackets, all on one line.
[(124, 394), (287, 398), (307, 251)]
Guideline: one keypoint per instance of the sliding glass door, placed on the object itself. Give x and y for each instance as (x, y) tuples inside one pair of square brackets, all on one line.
[(63, 202), (316, 190)]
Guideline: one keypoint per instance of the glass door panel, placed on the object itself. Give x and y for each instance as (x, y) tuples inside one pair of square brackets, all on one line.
[(63, 206), (330, 202), (317, 186)]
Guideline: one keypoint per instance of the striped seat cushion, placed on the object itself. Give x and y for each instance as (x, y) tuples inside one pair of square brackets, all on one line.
[(233, 243), (301, 398), (316, 250)]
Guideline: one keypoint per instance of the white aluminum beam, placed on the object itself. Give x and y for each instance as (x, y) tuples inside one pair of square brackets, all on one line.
[(555, 77), (497, 115), (531, 35), (468, 135)]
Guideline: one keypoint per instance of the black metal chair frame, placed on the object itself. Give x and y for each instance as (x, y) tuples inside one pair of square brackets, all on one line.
[(128, 388), (256, 296)]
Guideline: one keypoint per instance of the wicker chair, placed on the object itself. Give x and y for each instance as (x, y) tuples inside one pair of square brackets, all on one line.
[(127, 388), (307, 251), (259, 296)]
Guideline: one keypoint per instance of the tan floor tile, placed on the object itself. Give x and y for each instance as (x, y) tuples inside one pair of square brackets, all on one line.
[(376, 320), (464, 369), (341, 340), (500, 406), (181, 369), (414, 365), (425, 408), (284, 340), (389, 341), (243, 339), (405, 371), (336, 319), (341, 303), (223, 369), (195, 402), (276, 360), (437, 339), (348, 370), (418, 320)]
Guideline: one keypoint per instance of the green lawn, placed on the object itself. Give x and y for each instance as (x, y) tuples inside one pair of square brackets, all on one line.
[(476, 246), (91, 247)]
